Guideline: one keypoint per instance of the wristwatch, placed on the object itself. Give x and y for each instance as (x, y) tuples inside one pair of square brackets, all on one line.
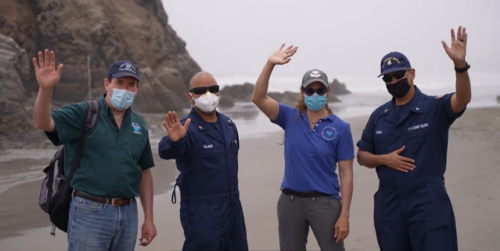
[(464, 69)]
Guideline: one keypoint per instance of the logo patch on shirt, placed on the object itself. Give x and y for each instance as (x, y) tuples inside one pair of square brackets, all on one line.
[(416, 127), (208, 146), (329, 133), (136, 127), (378, 132)]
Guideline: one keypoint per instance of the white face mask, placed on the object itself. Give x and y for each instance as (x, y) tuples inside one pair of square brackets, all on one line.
[(207, 102)]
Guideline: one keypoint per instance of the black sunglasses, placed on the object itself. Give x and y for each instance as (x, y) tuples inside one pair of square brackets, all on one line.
[(204, 89), (397, 75), (310, 91)]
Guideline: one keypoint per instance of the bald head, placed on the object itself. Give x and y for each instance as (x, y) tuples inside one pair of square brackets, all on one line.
[(201, 79), (201, 83)]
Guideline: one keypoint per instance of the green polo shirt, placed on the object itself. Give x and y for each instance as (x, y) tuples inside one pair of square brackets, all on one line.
[(113, 159)]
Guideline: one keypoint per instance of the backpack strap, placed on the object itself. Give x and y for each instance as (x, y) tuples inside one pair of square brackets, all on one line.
[(90, 123)]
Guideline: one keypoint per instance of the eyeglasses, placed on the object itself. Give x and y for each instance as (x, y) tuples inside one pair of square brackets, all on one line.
[(310, 91), (203, 89), (397, 75)]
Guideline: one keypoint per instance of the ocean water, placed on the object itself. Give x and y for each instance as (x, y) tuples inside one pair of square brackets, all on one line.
[(367, 94)]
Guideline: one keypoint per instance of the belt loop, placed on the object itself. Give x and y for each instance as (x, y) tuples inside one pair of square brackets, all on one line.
[(313, 199), (291, 198)]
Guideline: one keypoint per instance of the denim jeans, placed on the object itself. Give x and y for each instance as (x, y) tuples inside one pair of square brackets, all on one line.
[(96, 226)]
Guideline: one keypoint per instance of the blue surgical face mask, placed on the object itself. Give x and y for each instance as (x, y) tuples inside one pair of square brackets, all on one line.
[(315, 102), (122, 99)]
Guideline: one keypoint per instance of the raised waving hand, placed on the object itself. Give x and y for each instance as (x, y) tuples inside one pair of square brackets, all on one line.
[(281, 56), (175, 129), (46, 73)]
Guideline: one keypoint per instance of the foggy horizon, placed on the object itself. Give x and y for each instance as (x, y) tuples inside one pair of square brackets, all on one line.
[(235, 38)]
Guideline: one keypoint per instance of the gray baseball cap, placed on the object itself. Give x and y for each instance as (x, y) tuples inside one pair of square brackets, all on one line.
[(314, 75)]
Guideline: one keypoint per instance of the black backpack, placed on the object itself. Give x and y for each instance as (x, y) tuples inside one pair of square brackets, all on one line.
[(56, 192)]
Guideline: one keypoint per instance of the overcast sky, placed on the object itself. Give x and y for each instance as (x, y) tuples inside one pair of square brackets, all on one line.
[(235, 37)]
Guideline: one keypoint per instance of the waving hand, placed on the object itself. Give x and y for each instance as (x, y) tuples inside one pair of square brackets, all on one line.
[(281, 56), (174, 127), (47, 75)]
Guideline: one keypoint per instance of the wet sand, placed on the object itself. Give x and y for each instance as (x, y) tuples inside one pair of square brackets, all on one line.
[(471, 182), (20, 210)]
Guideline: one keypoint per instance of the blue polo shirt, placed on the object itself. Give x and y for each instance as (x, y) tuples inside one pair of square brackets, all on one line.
[(311, 155), (421, 126)]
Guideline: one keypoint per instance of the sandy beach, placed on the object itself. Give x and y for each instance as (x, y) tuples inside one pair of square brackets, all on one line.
[(473, 170)]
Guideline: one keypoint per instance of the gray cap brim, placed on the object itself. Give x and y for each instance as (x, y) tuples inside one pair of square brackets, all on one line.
[(314, 80)]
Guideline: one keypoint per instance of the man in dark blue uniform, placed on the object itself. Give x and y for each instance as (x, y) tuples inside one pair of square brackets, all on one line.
[(406, 140), (206, 154)]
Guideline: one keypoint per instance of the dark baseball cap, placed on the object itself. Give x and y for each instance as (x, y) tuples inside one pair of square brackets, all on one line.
[(120, 69), (392, 62), (314, 75)]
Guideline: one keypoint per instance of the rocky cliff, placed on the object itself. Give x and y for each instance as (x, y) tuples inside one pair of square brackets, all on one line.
[(101, 31), (15, 119), (87, 36)]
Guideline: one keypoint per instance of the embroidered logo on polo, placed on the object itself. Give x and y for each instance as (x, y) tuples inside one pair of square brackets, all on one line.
[(136, 127), (329, 133)]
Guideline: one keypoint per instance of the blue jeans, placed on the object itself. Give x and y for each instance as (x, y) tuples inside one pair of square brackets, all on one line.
[(96, 226)]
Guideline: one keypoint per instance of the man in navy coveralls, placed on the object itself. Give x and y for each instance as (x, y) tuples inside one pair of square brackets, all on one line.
[(406, 140)]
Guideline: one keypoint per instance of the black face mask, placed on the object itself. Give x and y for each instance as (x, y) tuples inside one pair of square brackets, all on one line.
[(399, 89)]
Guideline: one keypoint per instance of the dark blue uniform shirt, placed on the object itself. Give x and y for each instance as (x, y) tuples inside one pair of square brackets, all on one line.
[(422, 127), (207, 156)]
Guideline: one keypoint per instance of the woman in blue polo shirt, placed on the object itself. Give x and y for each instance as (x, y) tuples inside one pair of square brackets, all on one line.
[(315, 142)]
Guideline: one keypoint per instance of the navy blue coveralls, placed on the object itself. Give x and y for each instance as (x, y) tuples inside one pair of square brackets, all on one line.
[(412, 210), (207, 159)]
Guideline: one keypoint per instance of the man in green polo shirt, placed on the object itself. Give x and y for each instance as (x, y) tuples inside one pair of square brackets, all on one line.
[(116, 162)]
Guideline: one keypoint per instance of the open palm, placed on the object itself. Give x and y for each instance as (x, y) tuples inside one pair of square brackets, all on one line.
[(281, 56), (46, 74), (457, 50), (174, 127)]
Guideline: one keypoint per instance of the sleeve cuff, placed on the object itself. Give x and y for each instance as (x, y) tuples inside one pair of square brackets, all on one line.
[(53, 137), (348, 157), (168, 149), (446, 102), (365, 146), (147, 167)]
